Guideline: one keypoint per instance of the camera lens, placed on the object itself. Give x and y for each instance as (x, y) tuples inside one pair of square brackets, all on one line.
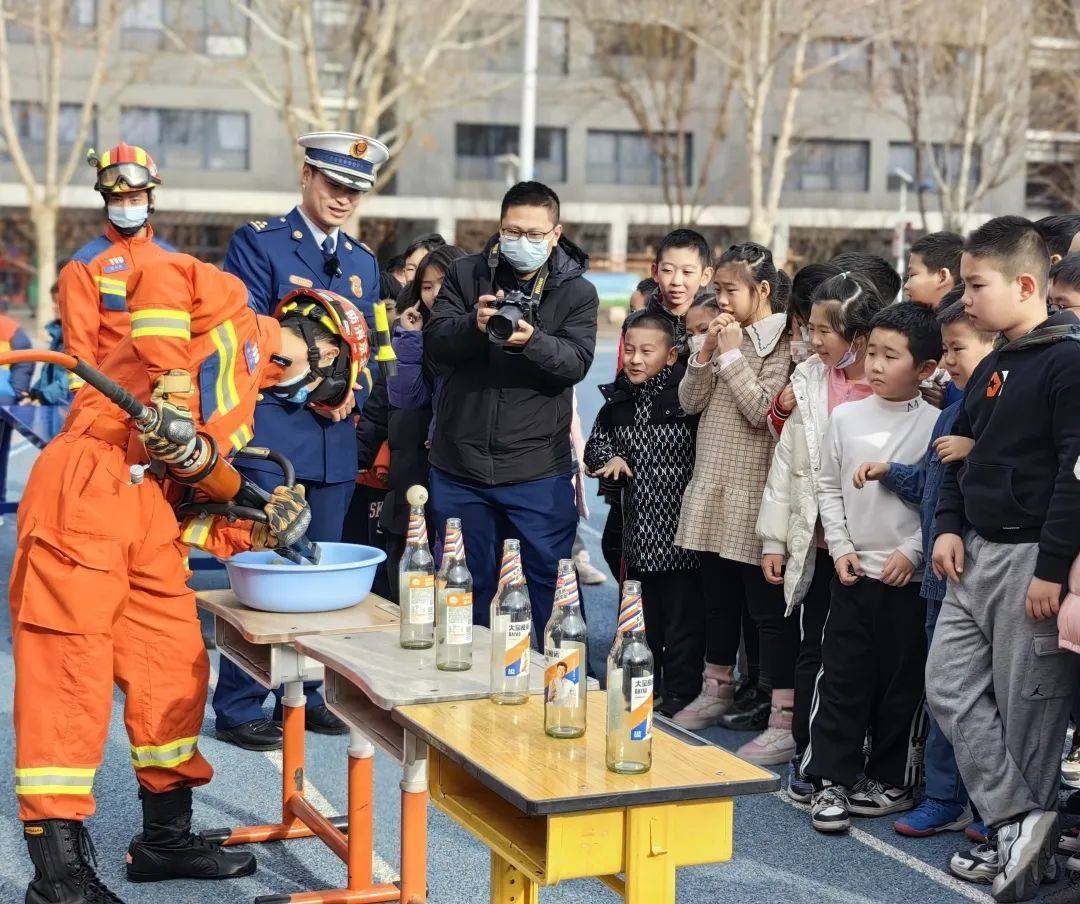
[(501, 326)]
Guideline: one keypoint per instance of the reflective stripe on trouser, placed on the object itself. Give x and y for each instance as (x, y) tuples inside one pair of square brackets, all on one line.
[(164, 756), (101, 605), (54, 780)]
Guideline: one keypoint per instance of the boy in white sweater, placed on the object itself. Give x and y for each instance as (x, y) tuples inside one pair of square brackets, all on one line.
[(874, 643)]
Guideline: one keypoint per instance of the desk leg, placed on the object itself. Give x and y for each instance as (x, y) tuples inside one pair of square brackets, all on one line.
[(292, 748), (292, 780), (414, 799), (361, 823), (650, 866), (509, 885)]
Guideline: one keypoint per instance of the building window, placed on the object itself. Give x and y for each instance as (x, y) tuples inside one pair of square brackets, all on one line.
[(214, 27), (30, 126), (507, 54), (189, 139), (625, 49), (80, 14), (825, 165), (479, 147), (1054, 185), (141, 24), (851, 69), (947, 158), (628, 158)]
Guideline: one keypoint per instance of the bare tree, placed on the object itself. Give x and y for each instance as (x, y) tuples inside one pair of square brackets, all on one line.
[(378, 67), (1053, 138), (764, 47), (54, 33), (963, 94), (649, 65)]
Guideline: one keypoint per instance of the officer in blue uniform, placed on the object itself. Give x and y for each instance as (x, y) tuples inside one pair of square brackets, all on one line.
[(306, 247)]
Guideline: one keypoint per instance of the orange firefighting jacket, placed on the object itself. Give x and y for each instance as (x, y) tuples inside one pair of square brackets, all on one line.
[(188, 315), (94, 309)]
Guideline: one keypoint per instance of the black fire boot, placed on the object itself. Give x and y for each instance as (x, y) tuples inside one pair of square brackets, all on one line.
[(64, 862), (166, 848)]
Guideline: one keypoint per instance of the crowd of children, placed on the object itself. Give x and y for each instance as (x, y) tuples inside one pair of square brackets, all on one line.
[(856, 516)]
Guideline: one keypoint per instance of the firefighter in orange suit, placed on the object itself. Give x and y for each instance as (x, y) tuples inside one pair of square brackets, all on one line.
[(98, 587), (93, 284)]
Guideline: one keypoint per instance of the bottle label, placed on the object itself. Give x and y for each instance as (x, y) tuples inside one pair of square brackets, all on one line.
[(562, 679), (421, 602), (516, 655), (641, 707), (459, 618)]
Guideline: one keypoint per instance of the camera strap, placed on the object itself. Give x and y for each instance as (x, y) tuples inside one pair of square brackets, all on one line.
[(538, 283)]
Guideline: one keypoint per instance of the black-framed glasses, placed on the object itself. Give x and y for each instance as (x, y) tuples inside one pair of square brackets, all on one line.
[(533, 235)]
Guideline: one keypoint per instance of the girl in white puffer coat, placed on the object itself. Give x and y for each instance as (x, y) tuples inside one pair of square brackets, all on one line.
[(793, 550)]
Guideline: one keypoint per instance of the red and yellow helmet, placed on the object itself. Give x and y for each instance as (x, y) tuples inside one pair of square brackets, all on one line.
[(124, 168), (342, 318)]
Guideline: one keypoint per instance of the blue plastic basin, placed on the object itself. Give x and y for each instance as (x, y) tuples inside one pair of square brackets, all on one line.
[(343, 577)]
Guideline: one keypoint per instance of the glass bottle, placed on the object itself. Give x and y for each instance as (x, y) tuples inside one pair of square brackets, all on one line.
[(566, 649), (454, 600), (511, 630), (416, 583), (630, 689)]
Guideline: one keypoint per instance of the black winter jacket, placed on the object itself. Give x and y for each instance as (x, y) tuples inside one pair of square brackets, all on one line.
[(646, 426), (504, 414), (1021, 481)]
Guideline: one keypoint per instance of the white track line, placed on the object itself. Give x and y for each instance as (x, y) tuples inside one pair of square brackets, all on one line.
[(965, 889), (382, 872)]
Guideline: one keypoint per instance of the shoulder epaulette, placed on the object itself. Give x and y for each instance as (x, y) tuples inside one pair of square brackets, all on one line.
[(268, 225), (92, 249)]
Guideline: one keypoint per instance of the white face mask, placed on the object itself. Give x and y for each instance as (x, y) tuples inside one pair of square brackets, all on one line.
[(696, 343), (128, 217), (848, 358)]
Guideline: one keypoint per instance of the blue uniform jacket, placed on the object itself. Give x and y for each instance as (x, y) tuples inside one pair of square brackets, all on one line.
[(272, 258)]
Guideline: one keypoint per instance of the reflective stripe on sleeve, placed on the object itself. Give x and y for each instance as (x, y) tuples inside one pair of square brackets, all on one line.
[(161, 322)]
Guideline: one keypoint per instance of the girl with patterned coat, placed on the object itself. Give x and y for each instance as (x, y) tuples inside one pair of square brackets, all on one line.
[(743, 363)]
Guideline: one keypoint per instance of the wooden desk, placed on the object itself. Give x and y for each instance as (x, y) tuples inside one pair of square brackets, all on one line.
[(262, 644), (367, 676), (550, 810)]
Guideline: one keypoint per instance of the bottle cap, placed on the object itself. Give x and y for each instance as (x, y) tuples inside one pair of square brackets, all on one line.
[(136, 473)]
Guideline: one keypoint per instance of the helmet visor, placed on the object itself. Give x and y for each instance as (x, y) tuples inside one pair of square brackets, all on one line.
[(133, 175)]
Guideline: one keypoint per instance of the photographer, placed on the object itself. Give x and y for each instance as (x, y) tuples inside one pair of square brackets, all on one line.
[(501, 458)]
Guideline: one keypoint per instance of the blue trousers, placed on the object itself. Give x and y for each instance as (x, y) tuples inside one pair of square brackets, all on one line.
[(943, 779), (239, 698), (542, 514)]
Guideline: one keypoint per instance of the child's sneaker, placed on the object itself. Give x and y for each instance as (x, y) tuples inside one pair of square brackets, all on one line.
[(1025, 847), (872, 798), (977, 864), (775, 745), (797, 785), (1070, 767), (750, 711), (716, 697), (829, 809), (979, 832), (933, 816)]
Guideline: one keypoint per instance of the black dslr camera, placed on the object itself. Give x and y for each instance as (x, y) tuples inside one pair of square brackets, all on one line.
[(513, 308)]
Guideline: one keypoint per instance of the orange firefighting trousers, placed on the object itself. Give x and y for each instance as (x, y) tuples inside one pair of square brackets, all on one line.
[(98, 596)]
